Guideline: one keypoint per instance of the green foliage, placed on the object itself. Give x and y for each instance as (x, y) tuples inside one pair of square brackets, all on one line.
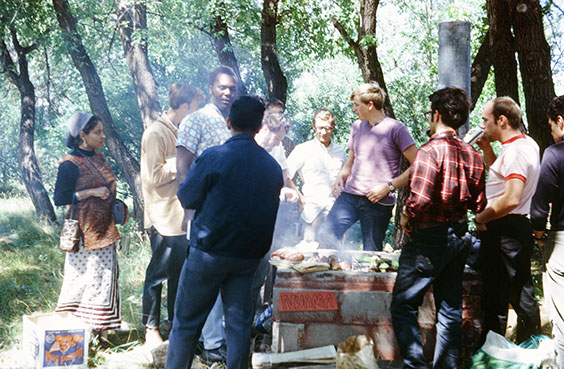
[(321, 88)]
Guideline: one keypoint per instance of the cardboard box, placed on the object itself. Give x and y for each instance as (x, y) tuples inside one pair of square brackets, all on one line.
[(56, 340)]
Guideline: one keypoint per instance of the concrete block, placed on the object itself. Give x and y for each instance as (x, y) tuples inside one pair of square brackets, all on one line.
[(365, 307), (287, 337)]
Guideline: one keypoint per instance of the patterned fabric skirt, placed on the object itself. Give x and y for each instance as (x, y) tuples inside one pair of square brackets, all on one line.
[(90, 287)]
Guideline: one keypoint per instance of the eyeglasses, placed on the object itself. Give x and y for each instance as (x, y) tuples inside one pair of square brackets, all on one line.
[(428, 114)]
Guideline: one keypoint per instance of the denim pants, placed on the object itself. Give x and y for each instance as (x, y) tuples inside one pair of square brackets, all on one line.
[(433, 256), (347, 209), (505, 264), (203, 276), (167, 256)]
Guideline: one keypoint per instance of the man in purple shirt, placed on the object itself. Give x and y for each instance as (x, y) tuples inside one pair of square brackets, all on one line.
[(365, 187)]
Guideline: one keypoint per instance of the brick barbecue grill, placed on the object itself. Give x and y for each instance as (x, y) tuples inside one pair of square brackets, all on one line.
[(323, 308)]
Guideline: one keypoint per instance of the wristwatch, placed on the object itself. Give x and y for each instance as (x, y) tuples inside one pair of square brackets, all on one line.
[(391, 187)]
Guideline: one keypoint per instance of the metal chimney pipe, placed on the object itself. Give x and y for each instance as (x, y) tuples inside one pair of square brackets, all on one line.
[(455, 58)]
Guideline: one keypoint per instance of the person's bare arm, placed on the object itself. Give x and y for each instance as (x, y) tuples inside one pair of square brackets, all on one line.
[(489, 154), (503, 205), (102, 192), (377, 193), (184, 159)]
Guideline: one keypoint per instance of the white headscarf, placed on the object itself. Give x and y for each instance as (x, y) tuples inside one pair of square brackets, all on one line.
[(75, 125)]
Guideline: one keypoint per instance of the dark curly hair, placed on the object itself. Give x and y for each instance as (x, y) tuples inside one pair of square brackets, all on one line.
[(453, 105), (555, 108)]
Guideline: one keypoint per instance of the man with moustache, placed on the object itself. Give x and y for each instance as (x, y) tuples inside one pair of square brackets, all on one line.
[(318, 162), (365, 187), (200, 130), (505, 230)]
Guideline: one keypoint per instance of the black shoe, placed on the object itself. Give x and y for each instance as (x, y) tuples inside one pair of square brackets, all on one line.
[(215, 355)]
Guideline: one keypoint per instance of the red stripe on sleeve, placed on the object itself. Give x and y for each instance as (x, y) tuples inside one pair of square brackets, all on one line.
[(516, 175)]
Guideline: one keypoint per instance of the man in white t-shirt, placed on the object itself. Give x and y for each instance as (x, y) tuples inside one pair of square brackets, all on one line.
[(318, 161), (506, 232)]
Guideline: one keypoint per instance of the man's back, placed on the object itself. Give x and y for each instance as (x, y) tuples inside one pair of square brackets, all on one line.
[(234, 189), (447, 178)]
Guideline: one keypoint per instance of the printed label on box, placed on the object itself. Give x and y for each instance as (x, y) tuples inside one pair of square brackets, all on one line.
[(64, 348), (307, 301)]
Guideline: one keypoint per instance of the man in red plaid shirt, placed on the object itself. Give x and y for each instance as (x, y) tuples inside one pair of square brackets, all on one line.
[(446, 180)]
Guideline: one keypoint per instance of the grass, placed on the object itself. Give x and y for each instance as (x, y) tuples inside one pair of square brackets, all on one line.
[(31, 272)]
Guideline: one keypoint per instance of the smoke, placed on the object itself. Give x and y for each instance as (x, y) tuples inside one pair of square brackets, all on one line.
[(288, 232)]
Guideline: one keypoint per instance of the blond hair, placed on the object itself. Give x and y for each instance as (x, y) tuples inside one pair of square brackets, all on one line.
[(368, 92)]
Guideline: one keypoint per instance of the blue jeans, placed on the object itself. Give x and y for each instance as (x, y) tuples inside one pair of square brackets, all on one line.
[(167, 256), (203, 276), (433, 256), (347, 209)]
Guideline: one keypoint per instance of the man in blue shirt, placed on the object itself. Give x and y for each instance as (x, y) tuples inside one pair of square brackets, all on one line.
[(234, 189)]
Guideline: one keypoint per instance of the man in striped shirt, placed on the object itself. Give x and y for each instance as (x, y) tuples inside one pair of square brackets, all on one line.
[(506, 233), (447, 179)]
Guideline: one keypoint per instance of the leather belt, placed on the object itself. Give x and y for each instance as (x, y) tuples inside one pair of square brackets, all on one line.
[(423, 225)]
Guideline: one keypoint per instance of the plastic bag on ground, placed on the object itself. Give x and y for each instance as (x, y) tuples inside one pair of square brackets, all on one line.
[(499, 352), (357, 352)]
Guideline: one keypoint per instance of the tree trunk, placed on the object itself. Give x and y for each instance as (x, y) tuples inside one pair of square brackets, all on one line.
[(502, 46), (400, 237), (132, 21), (534, 62), (31, 173), (275, 80), (224, 49), (480, 69), (128, 166), (367, 56)]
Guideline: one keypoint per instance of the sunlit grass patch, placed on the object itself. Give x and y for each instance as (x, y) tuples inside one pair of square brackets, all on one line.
[(31, 273)]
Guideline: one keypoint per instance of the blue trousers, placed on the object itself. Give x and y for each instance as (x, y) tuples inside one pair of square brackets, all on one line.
[(433, 256), (347, 209), (203, 276), (167, 256)]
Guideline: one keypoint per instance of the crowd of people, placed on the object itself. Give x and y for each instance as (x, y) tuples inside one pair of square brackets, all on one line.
[(213, 179)]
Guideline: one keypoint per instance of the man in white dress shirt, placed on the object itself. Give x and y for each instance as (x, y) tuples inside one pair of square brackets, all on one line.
[(318, 162)]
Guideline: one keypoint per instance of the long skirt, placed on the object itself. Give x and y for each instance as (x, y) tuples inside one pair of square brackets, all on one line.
[(90, 287)]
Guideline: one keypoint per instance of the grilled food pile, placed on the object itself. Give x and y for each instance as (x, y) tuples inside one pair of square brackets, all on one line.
[(321, 260)]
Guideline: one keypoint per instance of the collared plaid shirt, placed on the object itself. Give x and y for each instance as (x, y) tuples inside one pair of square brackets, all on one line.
[(447, 177)]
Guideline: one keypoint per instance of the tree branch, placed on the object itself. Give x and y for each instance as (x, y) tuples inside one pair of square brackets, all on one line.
[(480, 69), (8, 65), (352, 43)]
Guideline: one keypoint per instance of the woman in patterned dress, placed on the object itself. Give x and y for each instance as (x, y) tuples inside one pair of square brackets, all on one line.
[(86, 181)]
